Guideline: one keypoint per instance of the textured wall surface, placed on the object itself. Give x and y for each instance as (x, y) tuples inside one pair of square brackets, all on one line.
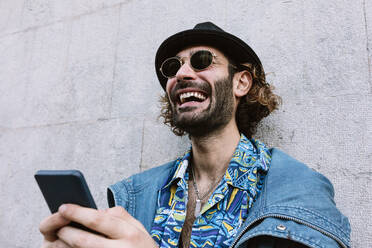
[(78, 90)]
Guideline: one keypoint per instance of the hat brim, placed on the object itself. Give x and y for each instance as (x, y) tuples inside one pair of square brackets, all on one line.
[(230, 45)]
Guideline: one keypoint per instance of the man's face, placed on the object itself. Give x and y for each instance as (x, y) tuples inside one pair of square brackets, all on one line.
[(201, 101)]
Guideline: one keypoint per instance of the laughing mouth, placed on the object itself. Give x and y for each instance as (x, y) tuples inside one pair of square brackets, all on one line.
[(191, 96)]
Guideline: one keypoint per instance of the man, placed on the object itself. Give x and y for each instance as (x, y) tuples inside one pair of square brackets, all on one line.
[(228, 190)]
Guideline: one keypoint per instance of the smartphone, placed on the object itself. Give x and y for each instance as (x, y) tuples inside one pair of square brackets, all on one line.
[(65, 186)]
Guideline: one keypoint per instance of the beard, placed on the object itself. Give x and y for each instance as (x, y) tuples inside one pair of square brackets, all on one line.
[(214, 117)]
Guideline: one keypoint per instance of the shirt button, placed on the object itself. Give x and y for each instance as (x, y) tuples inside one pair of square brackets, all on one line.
[(281, 227)]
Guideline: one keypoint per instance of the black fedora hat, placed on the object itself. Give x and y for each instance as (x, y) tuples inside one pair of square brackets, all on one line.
[(205, 33)]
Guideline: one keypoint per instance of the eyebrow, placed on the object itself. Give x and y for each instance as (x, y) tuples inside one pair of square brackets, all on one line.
[(189, 55), (196, 50)]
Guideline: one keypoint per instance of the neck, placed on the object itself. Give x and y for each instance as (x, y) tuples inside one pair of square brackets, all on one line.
[(211, 154)]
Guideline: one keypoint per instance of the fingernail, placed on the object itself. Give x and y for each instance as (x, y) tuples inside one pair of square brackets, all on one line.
[(62, 208)]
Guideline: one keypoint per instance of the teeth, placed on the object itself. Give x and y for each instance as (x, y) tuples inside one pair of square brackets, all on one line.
[(183, 96)]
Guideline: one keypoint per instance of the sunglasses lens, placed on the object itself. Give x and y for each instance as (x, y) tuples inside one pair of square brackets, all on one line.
[(170, 67), (201, 59)]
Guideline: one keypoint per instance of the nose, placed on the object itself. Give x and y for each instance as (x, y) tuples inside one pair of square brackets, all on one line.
[(185, 72)]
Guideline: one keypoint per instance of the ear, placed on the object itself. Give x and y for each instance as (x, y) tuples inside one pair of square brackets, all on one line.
[(242, 83)]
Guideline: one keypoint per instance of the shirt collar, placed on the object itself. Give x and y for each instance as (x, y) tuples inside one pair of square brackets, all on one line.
[(250, 157), (181, 166)]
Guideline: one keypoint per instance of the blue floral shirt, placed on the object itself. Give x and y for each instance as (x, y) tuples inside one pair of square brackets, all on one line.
[(226, 209)]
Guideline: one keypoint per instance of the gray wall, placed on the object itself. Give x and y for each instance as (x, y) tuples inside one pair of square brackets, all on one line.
[(78, 90)]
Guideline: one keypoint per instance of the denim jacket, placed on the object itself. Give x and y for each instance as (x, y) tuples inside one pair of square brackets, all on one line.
[(296, 203)]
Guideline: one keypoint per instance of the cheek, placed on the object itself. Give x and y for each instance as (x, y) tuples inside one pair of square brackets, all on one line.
[(170, 85)]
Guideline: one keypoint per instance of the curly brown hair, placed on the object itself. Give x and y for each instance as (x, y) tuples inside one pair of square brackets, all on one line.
[(259, 102)]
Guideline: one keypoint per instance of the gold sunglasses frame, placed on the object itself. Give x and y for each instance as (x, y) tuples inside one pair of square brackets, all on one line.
[(182, 62)]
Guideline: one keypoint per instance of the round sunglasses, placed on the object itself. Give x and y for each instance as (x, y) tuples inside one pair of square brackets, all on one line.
[(200, 60)]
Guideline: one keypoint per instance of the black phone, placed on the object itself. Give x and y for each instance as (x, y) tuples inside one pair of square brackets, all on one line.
[(65, 186)]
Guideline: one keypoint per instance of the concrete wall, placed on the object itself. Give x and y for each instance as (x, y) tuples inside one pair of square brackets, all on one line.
[(78, 90)]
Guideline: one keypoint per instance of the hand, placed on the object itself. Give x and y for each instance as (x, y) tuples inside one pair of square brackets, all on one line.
[(119, 228)]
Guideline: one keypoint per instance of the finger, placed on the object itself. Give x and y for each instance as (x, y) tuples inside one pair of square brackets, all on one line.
[(100, 221), (60, 244), (51, 224), (121, 213), (77, 238), (55, 244)]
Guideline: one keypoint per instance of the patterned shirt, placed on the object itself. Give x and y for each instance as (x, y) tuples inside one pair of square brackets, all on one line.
[(226, 209)]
